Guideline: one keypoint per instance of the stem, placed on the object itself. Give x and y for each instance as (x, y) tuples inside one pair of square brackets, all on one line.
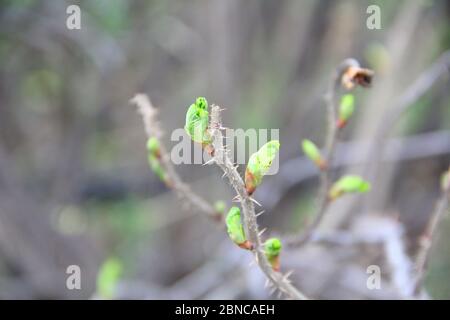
[(152, 128), (427, 240), (278, 280), (323, 201)]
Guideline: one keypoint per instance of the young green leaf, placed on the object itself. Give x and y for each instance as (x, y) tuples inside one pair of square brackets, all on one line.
[(259, 164), (197, 120), (235, 229), (348, 184), (158, 169), (346, 109), (313, 153), (272, 249)]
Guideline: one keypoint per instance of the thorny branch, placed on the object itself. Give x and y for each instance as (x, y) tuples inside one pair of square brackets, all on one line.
[(149, 116), (221, 158)]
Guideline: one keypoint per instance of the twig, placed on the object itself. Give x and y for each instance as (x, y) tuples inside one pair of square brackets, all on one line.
[(279, 281), (152, 128), (330, 145), (426, 240)]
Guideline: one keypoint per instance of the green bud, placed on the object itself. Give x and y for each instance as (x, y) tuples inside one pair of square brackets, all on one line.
[(313, 153), (346, 109), (235, 228), (155, 165), (272, 249), (219, 206), (153, 146), (197, 121), (108, 277), (259, 164), (348, 184)]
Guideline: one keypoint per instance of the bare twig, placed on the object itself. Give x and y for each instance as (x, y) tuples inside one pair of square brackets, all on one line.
[(278, 280), (152, 128), (441, 207)]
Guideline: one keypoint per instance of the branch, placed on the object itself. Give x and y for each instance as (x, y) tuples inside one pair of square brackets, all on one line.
[(423, 255), (222, 159), (152, 128), (340, 77)]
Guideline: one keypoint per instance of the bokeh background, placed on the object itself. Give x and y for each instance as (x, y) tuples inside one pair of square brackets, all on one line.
[(75, 187)]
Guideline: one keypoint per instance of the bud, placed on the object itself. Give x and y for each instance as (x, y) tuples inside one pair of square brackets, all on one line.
[(236, 230), (197, 121), (355, 75), (348, 184), (158, 169), (346, 109), (153, 146), (219, 207), (313, 153), (108, 277), (272, 249), (259, 164)]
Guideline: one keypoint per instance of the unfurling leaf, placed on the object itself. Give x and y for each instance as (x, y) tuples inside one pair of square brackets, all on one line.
[(272, 249), (346, 109), (259, 164), (313, 153), (348, 184), (197, 120), (235, 229)]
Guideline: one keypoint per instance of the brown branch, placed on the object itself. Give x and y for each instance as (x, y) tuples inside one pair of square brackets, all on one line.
[(149, 116), (222, 159)]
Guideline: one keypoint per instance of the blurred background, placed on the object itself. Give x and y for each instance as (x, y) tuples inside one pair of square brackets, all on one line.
[(75, 187)]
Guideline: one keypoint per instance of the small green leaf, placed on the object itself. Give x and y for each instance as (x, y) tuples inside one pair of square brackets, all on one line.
[(346, 109), (108, 276), (197, 121), (313, 153), (348, 184), (259, 164), (235, 228)]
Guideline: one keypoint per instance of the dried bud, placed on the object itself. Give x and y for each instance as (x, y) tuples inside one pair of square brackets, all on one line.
[(272, 249), (259, 164), (236, 230), (355, 75), (313, 153), (348, 184), (346, 109)]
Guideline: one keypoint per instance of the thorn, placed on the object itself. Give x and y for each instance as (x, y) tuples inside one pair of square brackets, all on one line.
[(266, 284), (259, 213), (262, 231), (279, 294), (209, 161), (224, 174), (288, 274), (236, 198), (255, 201)]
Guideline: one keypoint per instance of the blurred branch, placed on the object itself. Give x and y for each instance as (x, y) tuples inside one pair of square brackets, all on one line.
[(426, 240)]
